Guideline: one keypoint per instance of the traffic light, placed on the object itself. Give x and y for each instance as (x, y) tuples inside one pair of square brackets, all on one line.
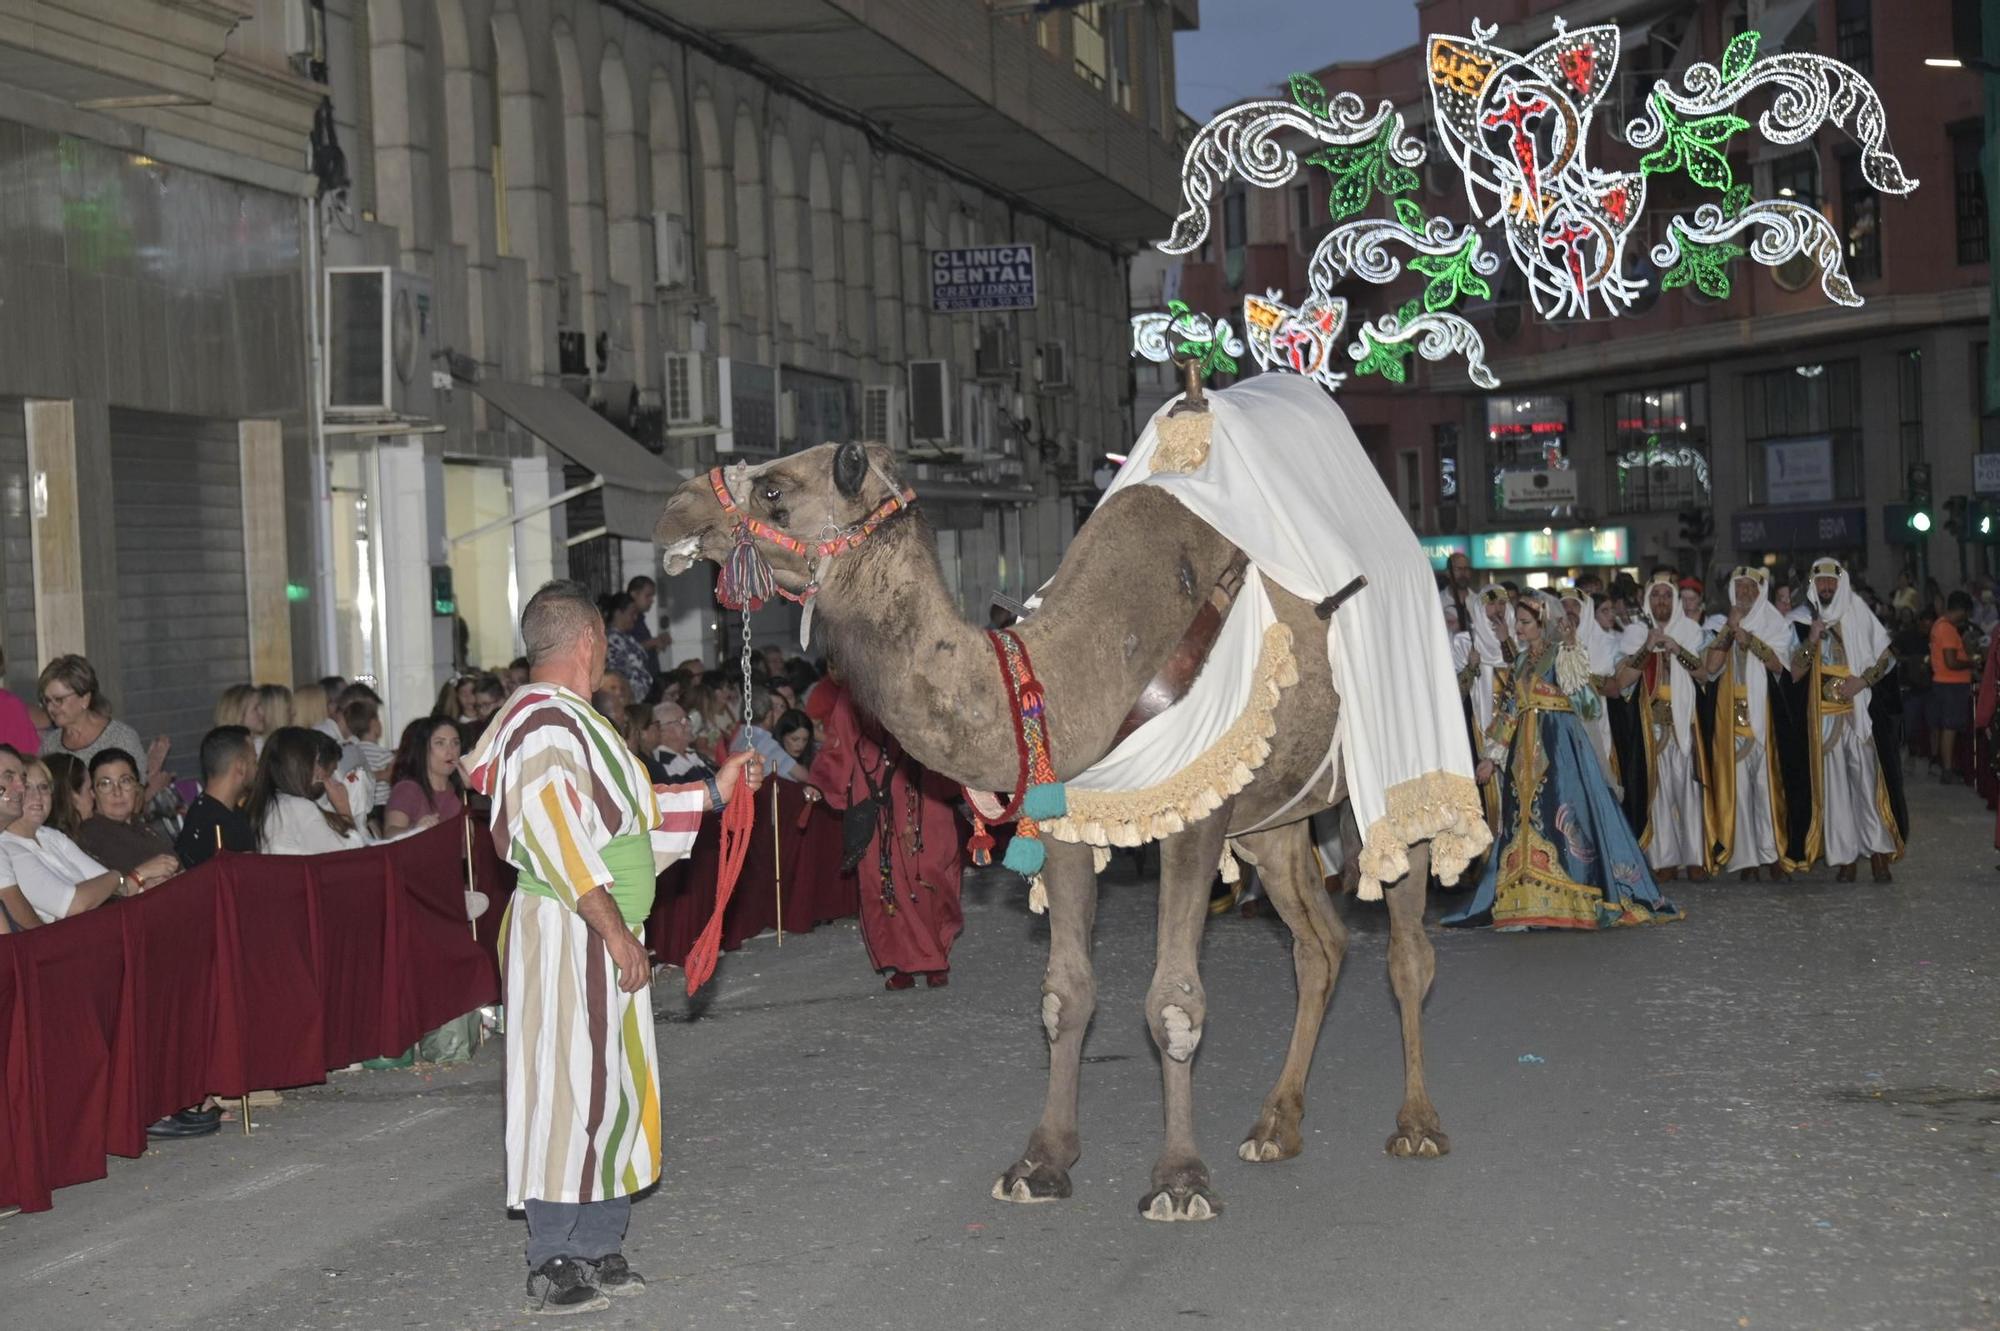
[(1955, 524), (1919, 481), (1982, 522)]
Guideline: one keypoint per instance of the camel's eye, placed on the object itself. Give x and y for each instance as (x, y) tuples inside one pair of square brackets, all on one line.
[(772, 494)]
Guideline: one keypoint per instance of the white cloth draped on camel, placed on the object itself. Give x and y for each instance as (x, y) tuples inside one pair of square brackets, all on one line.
[(1283, 477)]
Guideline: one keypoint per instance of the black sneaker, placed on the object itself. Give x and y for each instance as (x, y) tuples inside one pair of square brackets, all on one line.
[(616, 1278), (187, 1123), (563, 1285)]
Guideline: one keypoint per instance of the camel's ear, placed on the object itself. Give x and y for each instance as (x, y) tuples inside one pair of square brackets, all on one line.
[(850, 468)]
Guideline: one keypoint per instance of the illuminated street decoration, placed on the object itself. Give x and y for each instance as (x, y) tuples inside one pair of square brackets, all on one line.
[(1517, 128), (1182, 333), (1302, 340)]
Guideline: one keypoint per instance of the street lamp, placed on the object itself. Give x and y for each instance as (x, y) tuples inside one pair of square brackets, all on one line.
[(1980, 63)]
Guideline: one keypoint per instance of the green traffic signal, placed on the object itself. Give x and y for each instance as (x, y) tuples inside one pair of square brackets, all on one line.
[(1920, 521)]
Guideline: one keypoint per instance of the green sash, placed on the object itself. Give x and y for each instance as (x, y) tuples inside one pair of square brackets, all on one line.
[(630, 859)]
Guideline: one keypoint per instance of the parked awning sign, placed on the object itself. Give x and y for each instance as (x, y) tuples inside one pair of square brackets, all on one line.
[(983, 277)]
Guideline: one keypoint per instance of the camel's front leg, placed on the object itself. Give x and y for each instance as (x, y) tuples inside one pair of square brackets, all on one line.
[(1418, 1133), (1069, 996), (1176, 1008)]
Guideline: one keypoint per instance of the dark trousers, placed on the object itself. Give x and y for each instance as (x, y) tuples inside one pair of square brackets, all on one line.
[(589, 1231)]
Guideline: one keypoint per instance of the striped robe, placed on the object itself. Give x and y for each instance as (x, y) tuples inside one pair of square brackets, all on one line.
[(583, 1087)]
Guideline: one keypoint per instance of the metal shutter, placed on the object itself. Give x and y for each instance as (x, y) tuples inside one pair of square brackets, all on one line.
[(183, 605)]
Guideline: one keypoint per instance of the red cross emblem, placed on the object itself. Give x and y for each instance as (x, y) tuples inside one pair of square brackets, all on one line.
[(1299, 347), (1578, 65), (1515, 115), (1569, 240)]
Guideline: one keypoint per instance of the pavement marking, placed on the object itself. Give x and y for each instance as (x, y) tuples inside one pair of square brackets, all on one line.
[(409, 1122), (47, 1269), (270, 1180)]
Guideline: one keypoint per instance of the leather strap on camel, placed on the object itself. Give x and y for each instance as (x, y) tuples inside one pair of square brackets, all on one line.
[(1190, 654)]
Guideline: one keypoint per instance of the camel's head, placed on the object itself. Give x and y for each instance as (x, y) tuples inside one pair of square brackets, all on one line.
[(812, 496)]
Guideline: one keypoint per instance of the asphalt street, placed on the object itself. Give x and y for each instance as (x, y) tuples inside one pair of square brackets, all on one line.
[(1782, 1113)]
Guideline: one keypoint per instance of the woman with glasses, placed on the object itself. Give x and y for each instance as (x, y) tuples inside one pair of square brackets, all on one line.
[(114, 835), (55, 875), (81, 724)]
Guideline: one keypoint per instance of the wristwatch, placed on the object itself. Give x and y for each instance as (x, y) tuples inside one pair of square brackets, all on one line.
[(714, 791)]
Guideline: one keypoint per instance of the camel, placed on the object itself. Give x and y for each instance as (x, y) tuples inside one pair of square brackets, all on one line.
[(1129, 586)]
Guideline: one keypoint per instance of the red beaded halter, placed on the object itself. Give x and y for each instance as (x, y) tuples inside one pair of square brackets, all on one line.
[(747, 580)]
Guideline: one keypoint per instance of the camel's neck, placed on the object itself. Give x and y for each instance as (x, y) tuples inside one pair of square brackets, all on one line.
[(912, 662), (1128, 588)]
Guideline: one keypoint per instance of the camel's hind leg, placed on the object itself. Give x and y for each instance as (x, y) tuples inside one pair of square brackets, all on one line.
[(1291, 877), (1411, 966), (1176, 1007), (1069, 996)]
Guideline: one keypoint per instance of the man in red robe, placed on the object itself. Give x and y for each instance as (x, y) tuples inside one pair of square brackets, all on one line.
[(910, 910)]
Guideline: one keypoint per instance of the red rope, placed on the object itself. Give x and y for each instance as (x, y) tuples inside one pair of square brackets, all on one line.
[(1013, 686), (738, 818)]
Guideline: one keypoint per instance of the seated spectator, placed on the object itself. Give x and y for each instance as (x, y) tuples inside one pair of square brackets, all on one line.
[(54, 874), (426, 787), (330, 687), (489, 695), (81, 723), (240, 705), (16, 914), (310, 704), (275, 700), (72, 802), (618, 689), (17, 725), (517, 673), (215, 821), (641, 736), (767, 708), (361, 749), (284, 814), (794, 733), (674, 746), (114, 836)]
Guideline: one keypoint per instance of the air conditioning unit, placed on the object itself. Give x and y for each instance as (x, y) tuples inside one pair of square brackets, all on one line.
[(691, 389), (381, 331), (978, 409), (673, 252), (882, 415), (788, 417), (1055, 365), (995, 357), (931, 414)]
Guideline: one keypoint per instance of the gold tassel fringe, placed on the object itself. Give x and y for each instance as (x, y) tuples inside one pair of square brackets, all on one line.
[(1134, 817), (1438, 807)]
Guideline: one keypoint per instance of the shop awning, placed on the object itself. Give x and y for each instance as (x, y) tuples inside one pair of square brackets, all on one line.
[(636, 484)]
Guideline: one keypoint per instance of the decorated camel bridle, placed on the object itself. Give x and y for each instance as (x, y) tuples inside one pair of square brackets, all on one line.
[(747, 580)]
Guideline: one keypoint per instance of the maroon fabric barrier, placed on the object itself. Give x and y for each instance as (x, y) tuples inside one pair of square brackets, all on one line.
[(815, 889), (250, 972)]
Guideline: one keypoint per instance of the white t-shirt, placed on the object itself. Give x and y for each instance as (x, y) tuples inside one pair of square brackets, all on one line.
[(47, 870), (296, 826)]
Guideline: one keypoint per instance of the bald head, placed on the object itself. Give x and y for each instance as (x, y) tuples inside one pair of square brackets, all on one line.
[(558, 617)]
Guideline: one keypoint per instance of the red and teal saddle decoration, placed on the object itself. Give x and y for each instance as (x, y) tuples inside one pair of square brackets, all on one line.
[(1037, 795)]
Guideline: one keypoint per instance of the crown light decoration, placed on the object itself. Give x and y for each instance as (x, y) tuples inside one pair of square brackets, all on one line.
[(1517, 128)]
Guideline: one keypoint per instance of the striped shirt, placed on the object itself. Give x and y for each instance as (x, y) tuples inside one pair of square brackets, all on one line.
[(564, 784)]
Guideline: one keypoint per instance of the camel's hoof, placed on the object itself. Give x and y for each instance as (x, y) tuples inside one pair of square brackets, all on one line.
[(1263, 1150), (1029, 1183), (1181, 1203), (1418, 1144)]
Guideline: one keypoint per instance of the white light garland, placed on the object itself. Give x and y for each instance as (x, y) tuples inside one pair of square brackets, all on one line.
[(1786, 230), (1243, 141), (1154, 334), (1358, 249), (1436, 336), (1814, 90)]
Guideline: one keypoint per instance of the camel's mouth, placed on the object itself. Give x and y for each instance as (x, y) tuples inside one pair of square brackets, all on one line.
[(681, 556)]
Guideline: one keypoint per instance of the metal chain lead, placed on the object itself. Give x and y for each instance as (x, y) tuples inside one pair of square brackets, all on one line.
[(748, 719)]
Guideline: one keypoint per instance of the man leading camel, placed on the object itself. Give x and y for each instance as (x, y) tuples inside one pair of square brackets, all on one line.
[(574, 813)]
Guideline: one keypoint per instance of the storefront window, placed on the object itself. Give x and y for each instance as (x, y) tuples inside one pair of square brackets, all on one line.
[(1803, 426), (1659, 448), (1526, 434)]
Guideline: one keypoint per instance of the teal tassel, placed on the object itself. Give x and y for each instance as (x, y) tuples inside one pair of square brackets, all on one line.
[(1025, 856), (1045, 801)]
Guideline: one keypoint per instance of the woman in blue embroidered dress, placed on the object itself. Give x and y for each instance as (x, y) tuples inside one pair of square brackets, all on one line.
[(1565, 857)]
